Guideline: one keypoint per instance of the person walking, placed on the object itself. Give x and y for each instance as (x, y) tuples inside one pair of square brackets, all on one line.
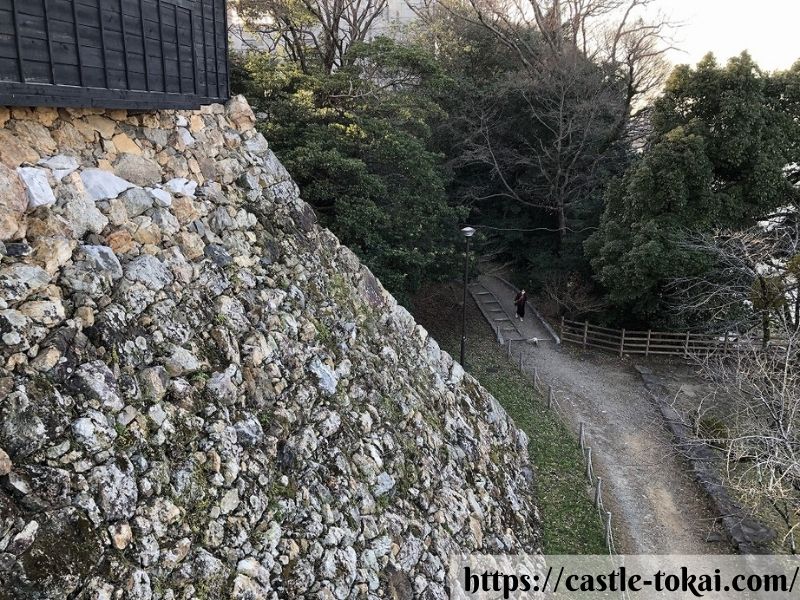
[(520, 300)]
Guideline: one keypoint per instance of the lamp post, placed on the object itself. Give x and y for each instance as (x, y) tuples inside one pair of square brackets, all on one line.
[(468, 233)]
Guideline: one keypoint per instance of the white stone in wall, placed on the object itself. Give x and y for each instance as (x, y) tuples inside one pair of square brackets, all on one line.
[(37, 186), (102, 185), (181, 186), (60, 165)]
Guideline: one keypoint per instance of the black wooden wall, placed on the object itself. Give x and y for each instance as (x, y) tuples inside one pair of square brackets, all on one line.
[(113, 53)]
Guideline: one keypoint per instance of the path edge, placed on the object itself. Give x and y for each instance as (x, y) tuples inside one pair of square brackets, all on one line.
[(748, 534)]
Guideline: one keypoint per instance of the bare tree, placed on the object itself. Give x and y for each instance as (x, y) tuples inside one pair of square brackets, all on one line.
[(756, 396), (312, 32), (552, 163), (585, 67), (612, 32), (755, 386), (754, 281), (571, 295)]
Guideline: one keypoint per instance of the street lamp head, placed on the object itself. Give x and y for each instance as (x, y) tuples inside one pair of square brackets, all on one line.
[(468, 232)]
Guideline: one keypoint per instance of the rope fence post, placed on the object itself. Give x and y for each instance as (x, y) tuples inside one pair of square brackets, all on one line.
[(622, 343), (647, 347), (598, 499), (521, 361), (589, 470), (509, 348), (582, 436), (585, 334), (608, 529), (550, 395)]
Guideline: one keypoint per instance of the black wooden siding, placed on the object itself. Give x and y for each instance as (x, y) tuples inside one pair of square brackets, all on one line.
[(113, 53)]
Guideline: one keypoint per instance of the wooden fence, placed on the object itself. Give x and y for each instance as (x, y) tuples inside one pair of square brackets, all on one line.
[(622, 341)]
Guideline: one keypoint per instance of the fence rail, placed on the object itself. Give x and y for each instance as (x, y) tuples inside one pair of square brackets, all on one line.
[(646, 343)]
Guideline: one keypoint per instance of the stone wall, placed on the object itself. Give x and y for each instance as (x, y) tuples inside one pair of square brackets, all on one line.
[(204, 395)]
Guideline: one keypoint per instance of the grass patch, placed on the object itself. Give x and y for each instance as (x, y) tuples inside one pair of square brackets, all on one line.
[(570, 522)]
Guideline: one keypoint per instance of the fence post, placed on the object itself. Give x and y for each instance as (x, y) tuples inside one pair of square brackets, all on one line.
[(686, 350), (550, 397), (598, 492), (622, 343), (535, 378), (582, 436), (589, 470), (585, 333), (647, 348), (509, 348), (561, 329), (608, 529)]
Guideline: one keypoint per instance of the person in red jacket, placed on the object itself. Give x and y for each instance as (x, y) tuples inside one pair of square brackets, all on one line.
[(519, 300)]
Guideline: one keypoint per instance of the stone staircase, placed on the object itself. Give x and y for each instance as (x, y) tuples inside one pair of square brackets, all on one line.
[(505, 327)]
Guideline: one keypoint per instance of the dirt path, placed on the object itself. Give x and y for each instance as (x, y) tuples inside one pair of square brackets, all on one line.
[(656, 505)]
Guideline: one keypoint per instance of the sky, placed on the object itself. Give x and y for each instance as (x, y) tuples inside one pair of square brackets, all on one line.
[(768, 29)]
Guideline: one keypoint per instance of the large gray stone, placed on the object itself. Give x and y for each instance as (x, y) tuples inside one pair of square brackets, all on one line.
[(93, 433), (19, 281), (137, 201), (150, 271), (96, 381), (94, 271), (326, 377), (249, 432), (138, 169), (83, 216), (103, 258), (257, 144), (221, 387), (116, 489)]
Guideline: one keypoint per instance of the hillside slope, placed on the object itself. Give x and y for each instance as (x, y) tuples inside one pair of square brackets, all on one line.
[(203, 395)]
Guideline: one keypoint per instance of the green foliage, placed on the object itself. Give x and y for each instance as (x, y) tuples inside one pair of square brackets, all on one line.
[(636, 247), (357, 143), (716, 159)]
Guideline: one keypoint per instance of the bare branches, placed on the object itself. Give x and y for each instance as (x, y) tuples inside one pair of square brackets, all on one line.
[(756, 396), (584, 68), (572, 295), (312, 31), (753, 281)]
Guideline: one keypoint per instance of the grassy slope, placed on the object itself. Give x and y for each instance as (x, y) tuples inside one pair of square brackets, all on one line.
[(571, 525)]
